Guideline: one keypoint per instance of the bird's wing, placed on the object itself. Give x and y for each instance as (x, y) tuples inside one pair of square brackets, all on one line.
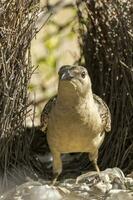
[(45, 113), (104, 112)]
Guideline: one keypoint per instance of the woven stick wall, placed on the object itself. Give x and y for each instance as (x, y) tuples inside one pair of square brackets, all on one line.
[(106, 41), (17, 20)]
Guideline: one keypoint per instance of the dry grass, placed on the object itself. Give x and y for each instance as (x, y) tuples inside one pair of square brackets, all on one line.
[(106, 42)]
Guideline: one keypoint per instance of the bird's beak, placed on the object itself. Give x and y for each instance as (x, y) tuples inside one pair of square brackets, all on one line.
[(66, 75)]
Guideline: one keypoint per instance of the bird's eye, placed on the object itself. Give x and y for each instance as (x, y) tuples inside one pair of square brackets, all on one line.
[(83, 74)]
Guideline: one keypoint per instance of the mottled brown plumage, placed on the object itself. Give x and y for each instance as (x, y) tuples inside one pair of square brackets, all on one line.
[(76, 119), (45, 113)]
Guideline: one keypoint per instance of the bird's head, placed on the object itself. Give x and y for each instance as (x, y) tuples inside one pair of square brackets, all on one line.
[(74, 78)]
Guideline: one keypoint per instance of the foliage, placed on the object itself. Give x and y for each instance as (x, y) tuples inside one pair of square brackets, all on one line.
[(54, 45)]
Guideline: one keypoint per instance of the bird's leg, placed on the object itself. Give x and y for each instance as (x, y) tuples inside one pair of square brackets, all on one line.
[(92, 157), (55, 177), (96, 166), (57, 166)]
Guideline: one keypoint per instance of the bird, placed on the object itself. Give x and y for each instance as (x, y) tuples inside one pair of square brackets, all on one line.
[(76, 119)]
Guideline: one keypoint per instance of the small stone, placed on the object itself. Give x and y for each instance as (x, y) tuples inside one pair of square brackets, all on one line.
[(102, 187), (45, 192), (120, 195), (85, 187)]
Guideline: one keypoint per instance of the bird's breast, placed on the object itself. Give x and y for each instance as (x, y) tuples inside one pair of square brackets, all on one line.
[(71, 131)]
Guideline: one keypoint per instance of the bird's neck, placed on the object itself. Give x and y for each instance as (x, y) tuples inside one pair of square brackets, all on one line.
[(73, 99)]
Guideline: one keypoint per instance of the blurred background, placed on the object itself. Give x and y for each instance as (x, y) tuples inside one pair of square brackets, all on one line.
[(55, 45)]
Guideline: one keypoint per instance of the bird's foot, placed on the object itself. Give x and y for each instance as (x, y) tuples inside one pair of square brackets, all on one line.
[(91, 174)]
